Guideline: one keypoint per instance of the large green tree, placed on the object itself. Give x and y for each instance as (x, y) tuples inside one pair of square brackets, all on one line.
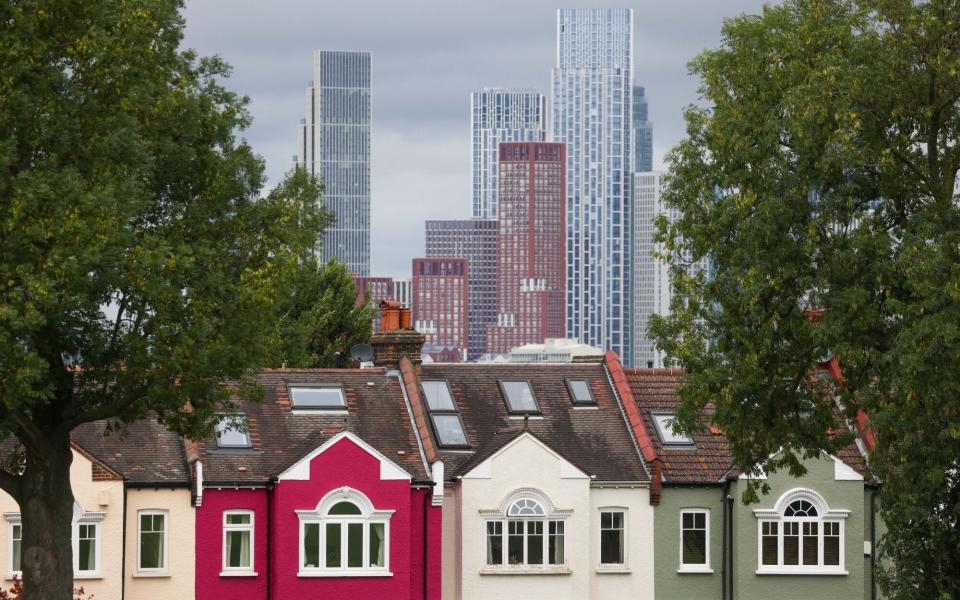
[(318, 316), (820, 172), (137, 259)]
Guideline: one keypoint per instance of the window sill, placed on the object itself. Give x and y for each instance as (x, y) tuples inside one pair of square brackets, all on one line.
[(139, 574), (238, 573), (695, 570), (613, 570), (556, 570), (350, 573), (89, 576), (794, 571)]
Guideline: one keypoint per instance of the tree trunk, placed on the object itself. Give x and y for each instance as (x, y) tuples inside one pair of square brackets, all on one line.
[(46, 512)]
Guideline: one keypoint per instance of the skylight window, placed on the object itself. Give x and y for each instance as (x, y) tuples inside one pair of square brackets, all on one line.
[(317, 398), (664, 424), (519, 397), (232, 432), (580, 391), (443, 414)]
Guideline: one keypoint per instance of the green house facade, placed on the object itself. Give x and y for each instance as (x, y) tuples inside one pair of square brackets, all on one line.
[(810, 537)]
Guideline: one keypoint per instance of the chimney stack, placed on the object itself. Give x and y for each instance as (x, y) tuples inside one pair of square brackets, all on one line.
[(396, 338)]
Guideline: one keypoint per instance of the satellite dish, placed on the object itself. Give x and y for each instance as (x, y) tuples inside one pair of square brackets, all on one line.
[(362, 352)]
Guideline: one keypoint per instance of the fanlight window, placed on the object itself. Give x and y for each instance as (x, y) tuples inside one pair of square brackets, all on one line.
[(525, 507), (345, 536), (800, 508)]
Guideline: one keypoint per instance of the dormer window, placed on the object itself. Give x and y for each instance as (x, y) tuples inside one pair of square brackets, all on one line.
[(443, 415), (519, 397), (580, 392), (232, 431), (664, 423), (319, 398)]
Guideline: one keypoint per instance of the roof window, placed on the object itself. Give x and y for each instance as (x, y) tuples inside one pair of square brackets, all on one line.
[(444, 415), (519, 397), (317, 398), (580, 392), (232, 431), (664, 424)]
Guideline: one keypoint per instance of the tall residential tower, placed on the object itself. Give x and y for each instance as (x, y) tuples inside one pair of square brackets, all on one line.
[(500, 115), (334, 145), (642, 132), (592, 113)]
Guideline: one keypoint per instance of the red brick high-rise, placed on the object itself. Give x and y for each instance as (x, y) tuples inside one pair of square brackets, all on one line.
[(531, 262), (439, 304)]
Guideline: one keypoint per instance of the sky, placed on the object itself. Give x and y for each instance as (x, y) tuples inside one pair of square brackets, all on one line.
[(427, 57)]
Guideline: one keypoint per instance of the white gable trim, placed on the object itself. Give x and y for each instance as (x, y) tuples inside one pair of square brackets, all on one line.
[(300, 470), (841, 470), (485, 470)]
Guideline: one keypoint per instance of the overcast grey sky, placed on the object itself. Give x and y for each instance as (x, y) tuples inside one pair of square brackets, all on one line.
[(428, 55)]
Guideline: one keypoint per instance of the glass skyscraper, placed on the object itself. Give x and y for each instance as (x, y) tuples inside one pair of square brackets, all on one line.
[(642, 133), (334, 144), (592, 91), (500, 115)]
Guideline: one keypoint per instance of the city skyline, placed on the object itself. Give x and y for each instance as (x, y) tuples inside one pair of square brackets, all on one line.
[(423, 75)]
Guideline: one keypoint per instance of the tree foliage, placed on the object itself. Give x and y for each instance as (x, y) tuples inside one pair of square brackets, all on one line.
[(318, 316), (822, 173), (138, 263)]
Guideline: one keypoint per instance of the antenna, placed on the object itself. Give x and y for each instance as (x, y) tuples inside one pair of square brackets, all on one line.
[(362, 353)]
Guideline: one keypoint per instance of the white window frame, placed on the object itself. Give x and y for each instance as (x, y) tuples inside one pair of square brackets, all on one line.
[(368, 516), (13, 520), (502, 515), (824, 515), (695, 567), (97, 543), (227, 570), (164, 570), (613, 567)]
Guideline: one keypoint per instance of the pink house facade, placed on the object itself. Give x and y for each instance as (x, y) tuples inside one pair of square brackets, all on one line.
[(320, 490)]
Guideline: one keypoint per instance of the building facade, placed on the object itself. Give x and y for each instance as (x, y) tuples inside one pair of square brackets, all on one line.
[(532, 240), (294, 503), (500, 115), (476, 241), (546, 496), (374, 290), (334, 145), (642, 132), (592, 91), (401, 289), (651, 276), (439, 297)]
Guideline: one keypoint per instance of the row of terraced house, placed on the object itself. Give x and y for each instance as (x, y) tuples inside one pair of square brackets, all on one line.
[(467, 481)]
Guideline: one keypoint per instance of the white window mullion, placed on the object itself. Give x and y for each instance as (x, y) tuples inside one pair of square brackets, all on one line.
[(365, 550)]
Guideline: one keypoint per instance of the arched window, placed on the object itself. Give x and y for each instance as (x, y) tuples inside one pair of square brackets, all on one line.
[(344, 536), (525, 532), (800, 535)]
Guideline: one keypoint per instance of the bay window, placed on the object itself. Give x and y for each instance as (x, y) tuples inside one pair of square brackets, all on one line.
[(527, 533)]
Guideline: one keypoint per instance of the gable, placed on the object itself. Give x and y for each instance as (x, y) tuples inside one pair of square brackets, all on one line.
[(841, 470), (522, 448), (300, 470)]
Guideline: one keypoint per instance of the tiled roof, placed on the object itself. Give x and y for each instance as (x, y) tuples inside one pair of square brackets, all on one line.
[(376, 413), (709, 459), (144, 452), (595, 440)]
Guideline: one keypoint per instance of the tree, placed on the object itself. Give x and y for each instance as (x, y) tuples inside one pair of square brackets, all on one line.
[(136, 260), (318, 316), (822, 173)]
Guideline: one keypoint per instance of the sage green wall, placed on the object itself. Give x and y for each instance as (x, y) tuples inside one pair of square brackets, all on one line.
[(846, 495), (668, 583), (881, 529)]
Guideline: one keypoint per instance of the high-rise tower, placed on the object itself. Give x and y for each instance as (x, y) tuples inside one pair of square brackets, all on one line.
[(334, 145), (500, 115), (592, 111), (642, 132)]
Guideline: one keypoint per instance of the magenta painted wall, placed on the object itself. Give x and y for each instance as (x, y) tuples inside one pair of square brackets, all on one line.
[(210, 584), (343, 464)]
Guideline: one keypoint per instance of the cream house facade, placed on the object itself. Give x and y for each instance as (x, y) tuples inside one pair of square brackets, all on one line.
[(528, 495)]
